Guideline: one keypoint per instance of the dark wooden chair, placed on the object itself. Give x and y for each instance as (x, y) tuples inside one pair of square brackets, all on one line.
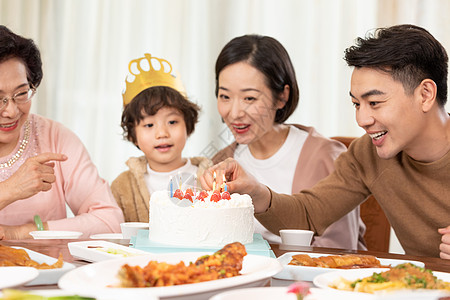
[(378, 229)]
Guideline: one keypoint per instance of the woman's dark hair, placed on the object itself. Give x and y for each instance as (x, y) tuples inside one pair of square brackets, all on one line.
[(15, 46), (149, 102), (268, 56), (408, 53)]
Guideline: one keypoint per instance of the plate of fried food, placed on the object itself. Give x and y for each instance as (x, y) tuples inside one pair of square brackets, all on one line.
[(181, 275), (305, 266), (403, 281), (49, 268)]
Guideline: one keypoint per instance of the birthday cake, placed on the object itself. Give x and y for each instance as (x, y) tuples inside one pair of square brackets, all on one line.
[(200, 219)]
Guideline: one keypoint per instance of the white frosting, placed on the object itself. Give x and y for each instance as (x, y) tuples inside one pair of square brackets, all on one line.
[(203, 223)]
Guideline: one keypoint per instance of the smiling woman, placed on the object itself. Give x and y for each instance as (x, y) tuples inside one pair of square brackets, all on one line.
[(39, 155), (257, 91)]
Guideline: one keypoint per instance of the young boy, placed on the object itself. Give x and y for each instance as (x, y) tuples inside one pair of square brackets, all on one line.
[(157, 118)]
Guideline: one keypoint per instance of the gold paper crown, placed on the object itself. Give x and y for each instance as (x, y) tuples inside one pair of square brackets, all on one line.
[(145, 79)]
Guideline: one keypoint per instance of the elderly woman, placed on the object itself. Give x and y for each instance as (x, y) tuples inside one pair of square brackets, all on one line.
[(43, 165)]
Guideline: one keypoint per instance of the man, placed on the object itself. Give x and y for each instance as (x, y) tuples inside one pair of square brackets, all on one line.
[(399, 89)]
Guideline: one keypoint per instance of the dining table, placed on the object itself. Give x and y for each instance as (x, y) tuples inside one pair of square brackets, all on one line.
[(55, 247)]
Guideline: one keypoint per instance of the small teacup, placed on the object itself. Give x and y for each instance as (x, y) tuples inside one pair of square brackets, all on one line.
[(296, 237), (130, 229)]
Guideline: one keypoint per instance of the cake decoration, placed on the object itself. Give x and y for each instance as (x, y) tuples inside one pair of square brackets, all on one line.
[(201, 218)]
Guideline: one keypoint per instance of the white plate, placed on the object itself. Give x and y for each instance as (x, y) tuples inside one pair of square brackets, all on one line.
[(291, 272), (53, 234), (48, 276), (14, 276), (95, 251), (107, 236), (264, 293), (61, 293), (280, 293), (324, 280), (92, 280)]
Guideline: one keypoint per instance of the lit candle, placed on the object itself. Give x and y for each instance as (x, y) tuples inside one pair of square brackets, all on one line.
[(195, 184), (171, 187), (214, 181), (224, 183), (179, 175)]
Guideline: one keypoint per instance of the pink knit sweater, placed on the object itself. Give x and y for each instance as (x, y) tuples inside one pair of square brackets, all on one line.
[(78, 184)]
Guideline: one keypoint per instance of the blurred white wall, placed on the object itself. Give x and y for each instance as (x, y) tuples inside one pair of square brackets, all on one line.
[(86, 46)]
